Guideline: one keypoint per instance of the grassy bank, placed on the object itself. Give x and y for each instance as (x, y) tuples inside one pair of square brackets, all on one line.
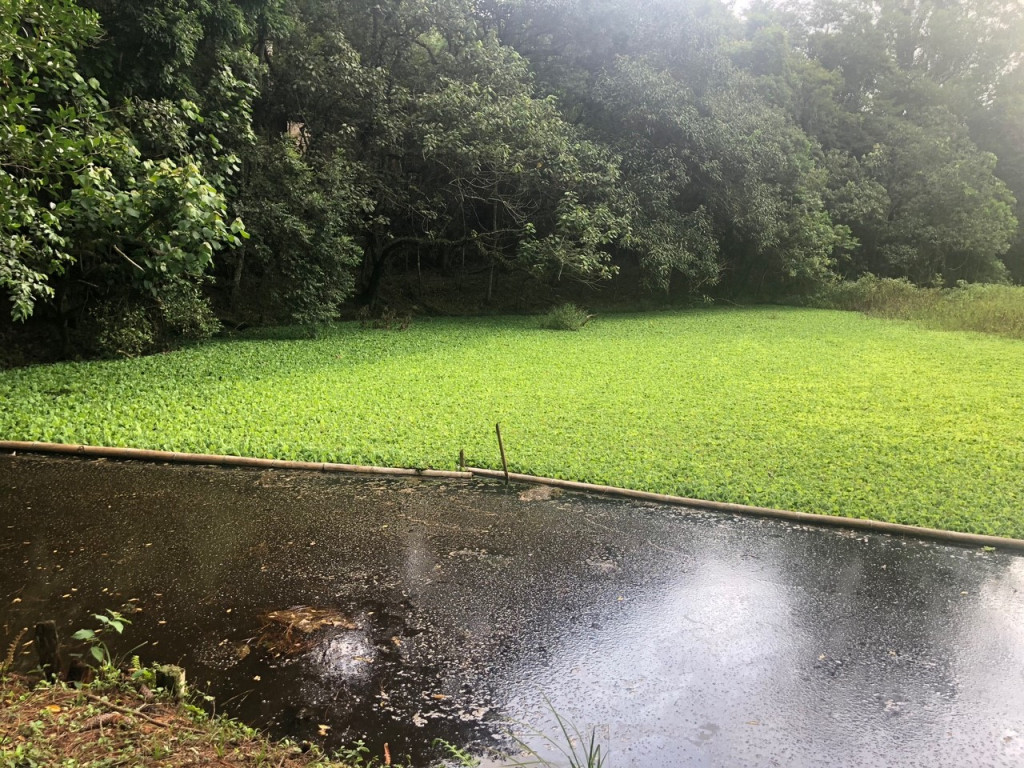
[(997, 309), (819, 411)]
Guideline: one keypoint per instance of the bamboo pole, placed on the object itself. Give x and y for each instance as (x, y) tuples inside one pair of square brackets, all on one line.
[(878, 526), (501, 447), (140, 454)]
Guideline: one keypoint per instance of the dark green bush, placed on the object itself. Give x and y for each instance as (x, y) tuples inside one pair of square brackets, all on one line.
[(187, 315), (565, 317), (121, 329)]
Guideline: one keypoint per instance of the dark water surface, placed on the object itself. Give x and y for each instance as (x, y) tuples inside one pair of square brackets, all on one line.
[(683, 637)]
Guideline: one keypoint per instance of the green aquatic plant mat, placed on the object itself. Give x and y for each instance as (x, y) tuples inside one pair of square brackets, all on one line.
[(812, 410)]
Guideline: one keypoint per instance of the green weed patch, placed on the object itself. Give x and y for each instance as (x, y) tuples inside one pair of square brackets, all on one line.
[(997, 309), (813, 410)]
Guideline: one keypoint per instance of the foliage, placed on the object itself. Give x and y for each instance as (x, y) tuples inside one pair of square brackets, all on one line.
[(790, 408), (912, 87), (456, 756), (358, 755), (302, 209), (454, 149), (85, 727), (578, 750), (46, 132), (186, 314), (119, 330), (87, 218), (997, 309), (186, 73), (98, 648), (130, 328), (674, 147), (722, 185), (565, 317)]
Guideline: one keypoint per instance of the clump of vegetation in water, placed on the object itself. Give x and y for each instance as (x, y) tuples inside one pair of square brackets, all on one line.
[(565, 317), (818, 411)]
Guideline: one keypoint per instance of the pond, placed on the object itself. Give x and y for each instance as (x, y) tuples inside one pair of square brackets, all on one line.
[(474, 612)]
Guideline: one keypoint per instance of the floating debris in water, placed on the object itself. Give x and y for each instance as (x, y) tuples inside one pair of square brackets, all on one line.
[(288, 632)]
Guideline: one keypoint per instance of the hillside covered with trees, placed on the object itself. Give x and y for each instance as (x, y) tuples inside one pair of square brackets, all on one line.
[(171, 165)]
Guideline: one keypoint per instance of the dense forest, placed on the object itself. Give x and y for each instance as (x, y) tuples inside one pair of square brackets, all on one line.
[(173, 165)]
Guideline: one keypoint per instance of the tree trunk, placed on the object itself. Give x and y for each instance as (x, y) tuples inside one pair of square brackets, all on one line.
[(378, 260), (236, 282), (490, 277)]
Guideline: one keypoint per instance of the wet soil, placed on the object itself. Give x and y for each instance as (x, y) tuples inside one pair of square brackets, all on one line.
[(467, 611)]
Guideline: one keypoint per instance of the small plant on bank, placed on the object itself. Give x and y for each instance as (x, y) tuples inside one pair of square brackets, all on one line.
[(456, 756), (578, 750), (98, 649), (565, 317), (358, 756)]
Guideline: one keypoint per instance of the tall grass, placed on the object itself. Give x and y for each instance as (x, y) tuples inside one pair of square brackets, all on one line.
[(997, 309), (565, 317)]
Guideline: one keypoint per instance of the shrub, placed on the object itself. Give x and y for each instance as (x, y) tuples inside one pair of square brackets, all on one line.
[(565, 317), (384, 319), (187, 314), (122, 330), (883, 296), (987, 308)]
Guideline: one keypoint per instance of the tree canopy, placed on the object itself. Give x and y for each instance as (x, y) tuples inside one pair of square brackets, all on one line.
[(285, 157)]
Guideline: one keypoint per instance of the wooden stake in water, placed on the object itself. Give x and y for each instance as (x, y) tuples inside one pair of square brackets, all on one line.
[(501, 447)]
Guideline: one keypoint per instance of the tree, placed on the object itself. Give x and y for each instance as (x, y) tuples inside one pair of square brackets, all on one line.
[(454, 151), (917, 82), (299, 266), (722, 185), (154, 56), (87, 220)]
